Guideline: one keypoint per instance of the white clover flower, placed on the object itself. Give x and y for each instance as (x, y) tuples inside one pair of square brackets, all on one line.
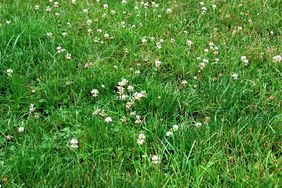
[(10, 72), (152, 39), (184, 82), (49, 34), (68, 56), (94, 93), (277, 58), (140, 141), (198, 124), (64, 34), (155, 159), (123, 97), (130, 88), (211, 44), (129, 104), (158, 45), (120, 90), (169, 134), (132, 113), (59, 49), (139, 95), (89, 22), (36, 7), (205, 61), (137, 72), (56, 4), (108, 119), (73, 2), (74, 141), (207, 120), (123, 119), (89, 30), (74, 146), (158, 63), (189, 42), (88, 65), (106, 36), (141, 136), (126, 50), (123, 82), (244, 60), (85, 11), (155, 5), (31, 108), (168, 11), (202, 65), (96, 111), (234, 76), (21, 129), (204, 10), (175, 128), (123, 1), (113, 12), (144, 40), (105, 6), (138, 120), (48, 9)]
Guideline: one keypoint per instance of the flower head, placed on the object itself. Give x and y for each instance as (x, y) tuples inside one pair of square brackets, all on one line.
[(31, 108), (74, 143), (158, 63), (175, 128), (108, 119), (155, 159), (36, 7), (169, 133), (277, 58), (94, 92), (234, 76), (10, 72), (141, 139), (21, 129)]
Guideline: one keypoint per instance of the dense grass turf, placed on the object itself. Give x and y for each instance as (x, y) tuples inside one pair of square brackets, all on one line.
[(140, 94)]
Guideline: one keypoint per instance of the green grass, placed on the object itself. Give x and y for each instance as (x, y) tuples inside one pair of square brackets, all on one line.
[(238, 143)]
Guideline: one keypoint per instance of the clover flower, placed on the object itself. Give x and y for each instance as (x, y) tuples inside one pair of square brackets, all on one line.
[(10, 72), (155, 159)]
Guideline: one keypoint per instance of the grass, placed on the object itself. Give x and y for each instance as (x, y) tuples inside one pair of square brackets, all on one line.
[(229, 130)]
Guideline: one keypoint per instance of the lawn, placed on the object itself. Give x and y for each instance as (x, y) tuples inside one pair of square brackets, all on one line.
[(127, 93)]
